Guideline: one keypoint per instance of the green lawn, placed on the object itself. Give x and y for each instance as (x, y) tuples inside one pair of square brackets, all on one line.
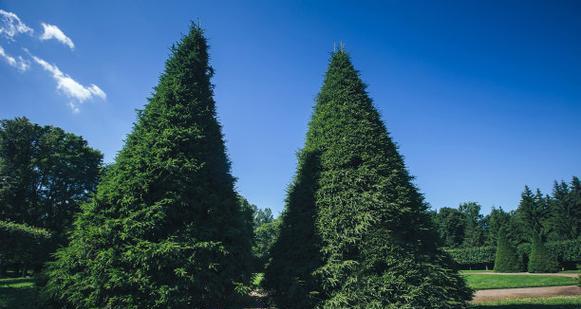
[(575, 271), (553, 302), (484, 282), (20, 292), (16, 293)]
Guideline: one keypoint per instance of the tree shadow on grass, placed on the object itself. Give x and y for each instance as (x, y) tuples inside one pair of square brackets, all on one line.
[(10, 281), (18, 297)]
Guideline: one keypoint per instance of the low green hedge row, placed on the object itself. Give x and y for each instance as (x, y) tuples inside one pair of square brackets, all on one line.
[(11, 231), (565, 251), (568, 251), (473, 256), (22, 244)]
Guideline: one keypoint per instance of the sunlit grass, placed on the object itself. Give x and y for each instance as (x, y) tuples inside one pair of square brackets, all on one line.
[(552, 302), (16, 293), (491, 281)]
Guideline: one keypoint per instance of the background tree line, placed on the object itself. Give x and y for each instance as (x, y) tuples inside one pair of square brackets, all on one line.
[(556, 217), (539, 220), (45, 174)]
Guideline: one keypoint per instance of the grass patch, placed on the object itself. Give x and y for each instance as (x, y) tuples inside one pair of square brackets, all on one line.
[(573, 271), (16, 293), (552, 302), (485, 282)]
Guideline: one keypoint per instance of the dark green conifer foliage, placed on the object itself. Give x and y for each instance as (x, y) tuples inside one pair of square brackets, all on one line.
[(165, 229), (296, 253), (534, 211), (506, 259), (540, 259), (378, 246)]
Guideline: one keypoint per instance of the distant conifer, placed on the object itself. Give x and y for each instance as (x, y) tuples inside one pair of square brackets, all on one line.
[(541, 260), (506, 259)]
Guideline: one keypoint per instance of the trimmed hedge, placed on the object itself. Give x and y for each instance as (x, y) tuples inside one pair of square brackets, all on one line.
[(13, 235), (567, 252), (23, 244), (473, 256)]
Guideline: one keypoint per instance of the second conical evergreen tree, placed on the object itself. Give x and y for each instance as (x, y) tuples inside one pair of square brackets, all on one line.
[(355, 231), (165, 228)]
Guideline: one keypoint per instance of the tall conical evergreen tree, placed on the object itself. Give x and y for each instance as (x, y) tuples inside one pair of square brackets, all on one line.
[(378, 246), (165, 228)]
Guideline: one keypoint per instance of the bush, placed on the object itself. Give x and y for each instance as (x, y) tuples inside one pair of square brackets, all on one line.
[(23, 245), (541, 260), (473, 257), (14, 233), (567, 252), (506, 259)]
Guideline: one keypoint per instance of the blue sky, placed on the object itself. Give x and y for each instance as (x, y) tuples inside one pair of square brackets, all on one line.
[(483, 97)]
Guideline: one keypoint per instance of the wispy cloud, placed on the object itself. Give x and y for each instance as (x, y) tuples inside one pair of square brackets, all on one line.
[(19, 63), (54, 32), (11, 25), (70, 87)]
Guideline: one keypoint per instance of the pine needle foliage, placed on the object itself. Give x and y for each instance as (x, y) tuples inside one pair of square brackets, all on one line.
[(375, 243), (165, 229), (506, 260), (541, 260), (296, 253)]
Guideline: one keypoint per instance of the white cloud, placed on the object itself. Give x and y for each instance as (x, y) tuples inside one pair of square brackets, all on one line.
[(53, 32), (70, 87), (10, 25), (19, 63)]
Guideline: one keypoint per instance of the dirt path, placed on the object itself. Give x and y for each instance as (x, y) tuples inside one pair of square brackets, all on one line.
[(570, 275), (481, 295), (497, 294)]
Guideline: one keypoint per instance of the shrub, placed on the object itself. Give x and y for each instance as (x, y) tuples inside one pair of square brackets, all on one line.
[(24, 245), (471, 257), (567, 252)]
